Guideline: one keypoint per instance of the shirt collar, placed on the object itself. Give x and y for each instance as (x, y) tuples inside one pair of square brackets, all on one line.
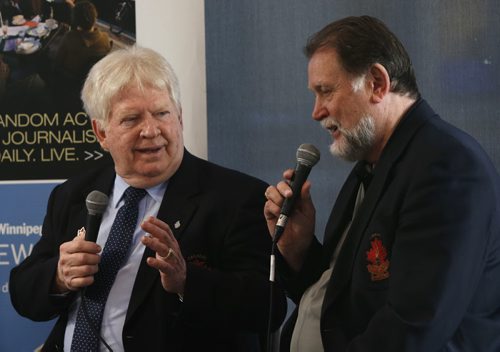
[(155, 192)]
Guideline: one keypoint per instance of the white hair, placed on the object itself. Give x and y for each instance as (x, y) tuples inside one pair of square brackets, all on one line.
[(133, 66)]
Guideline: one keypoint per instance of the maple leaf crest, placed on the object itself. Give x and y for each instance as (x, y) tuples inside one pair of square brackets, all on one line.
[(377, 252)]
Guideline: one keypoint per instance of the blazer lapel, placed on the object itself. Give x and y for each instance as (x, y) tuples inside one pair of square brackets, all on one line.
[(395, 147), (341, 214)]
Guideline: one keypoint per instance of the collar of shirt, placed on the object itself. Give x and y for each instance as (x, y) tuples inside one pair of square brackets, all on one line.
[(120, 186)]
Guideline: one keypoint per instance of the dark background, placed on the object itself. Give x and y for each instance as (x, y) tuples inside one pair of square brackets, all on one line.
[(259, 107)]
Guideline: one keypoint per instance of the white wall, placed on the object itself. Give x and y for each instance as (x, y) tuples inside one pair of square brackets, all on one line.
[(176, 29)]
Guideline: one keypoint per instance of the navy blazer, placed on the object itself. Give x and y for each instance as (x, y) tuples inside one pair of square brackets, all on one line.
[(223, 237), (420, 267)]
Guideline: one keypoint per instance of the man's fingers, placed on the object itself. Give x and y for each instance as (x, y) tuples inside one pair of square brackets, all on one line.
[(157, 222), (156, 245), (288, 174), (271, 210), (79, 245), (284, 189), (76, 283), (158, 229), (79, 271), (76, 272), (160, 237)]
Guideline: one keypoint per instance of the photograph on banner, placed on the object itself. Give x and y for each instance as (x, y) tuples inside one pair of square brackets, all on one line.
[(45, 55), (47, 47)]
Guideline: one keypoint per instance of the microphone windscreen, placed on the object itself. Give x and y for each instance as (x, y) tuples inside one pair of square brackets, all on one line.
[(96, 203), (307, 155)]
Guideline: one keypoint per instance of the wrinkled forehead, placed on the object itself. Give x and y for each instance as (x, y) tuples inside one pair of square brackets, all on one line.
[(140, 91), (134, 94)]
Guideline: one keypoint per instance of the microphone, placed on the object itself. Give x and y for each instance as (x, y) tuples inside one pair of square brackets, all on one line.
[(307, 157), (96, 203)]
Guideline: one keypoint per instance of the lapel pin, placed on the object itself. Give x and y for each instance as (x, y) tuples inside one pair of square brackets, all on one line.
[(177, 224)]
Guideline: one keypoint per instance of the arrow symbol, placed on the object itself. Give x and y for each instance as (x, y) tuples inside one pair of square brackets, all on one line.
[(99, 155), (89, 155)]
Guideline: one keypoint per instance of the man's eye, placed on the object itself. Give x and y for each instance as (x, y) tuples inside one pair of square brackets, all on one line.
[(163, 114), (129, 120), (325, 91)]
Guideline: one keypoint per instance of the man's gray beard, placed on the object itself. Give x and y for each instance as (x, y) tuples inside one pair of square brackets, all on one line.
[(357, 142)]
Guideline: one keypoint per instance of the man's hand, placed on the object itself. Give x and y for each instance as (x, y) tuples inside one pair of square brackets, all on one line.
[(299, 230), (78, 262), (169, 260)]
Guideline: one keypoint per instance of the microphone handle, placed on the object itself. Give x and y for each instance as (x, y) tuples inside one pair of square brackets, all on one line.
[(92, 227), (299, 177)]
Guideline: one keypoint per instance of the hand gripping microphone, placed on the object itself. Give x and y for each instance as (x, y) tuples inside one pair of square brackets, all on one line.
[(307, 157), (96, 203)]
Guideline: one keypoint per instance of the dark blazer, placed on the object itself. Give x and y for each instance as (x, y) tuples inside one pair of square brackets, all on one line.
[(420, 267), (223, 237)]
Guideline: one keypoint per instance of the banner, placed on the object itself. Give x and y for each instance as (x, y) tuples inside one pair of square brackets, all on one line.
[(45, 136)]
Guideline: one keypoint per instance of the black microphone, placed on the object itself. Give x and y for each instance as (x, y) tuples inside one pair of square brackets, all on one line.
[(307, 157), (96, 203)]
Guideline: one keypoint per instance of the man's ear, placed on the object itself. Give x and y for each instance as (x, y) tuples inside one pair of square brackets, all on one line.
[(100, 133), (381, 83)]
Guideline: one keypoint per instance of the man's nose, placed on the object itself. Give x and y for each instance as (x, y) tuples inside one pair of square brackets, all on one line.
[(150, 128), (319, 111)]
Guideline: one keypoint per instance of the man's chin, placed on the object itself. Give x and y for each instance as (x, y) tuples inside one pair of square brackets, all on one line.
[(337, 150), (343, 152), (151, 171), (146, 178)]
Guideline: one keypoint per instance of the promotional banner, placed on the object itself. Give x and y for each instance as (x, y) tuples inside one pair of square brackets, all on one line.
[(45, 136)]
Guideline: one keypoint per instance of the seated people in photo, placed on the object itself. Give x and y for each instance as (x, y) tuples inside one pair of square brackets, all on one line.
[(80, 48), (61, 10), (17, 12), (10, 9), (83, 45), (181, 257)]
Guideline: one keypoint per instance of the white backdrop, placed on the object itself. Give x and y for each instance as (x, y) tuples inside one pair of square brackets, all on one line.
[(177, 30)]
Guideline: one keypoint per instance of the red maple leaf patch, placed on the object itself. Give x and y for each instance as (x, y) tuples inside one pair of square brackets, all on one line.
[(378, 263)]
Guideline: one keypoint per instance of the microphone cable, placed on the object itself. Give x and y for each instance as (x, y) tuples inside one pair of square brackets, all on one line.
[(270, 336)]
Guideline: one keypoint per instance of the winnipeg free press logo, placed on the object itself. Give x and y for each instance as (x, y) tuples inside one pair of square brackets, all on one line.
[(20, 230)]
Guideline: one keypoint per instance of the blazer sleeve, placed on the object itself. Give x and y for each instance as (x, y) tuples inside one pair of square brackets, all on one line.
[(31, 281)]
